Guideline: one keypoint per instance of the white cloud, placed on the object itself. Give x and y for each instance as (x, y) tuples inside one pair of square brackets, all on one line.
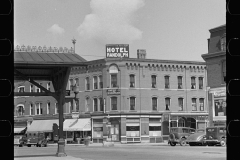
[(55, 29), (110, 21)]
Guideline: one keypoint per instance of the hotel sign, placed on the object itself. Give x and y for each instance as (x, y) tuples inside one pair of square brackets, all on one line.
[(117, 51), (113, 92)]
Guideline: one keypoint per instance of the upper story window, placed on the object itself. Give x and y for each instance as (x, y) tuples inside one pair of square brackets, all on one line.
[(154, 81), (31, 109), (180, 104), (223, 43), (224, 71), (95, 104), (21, 89), (95, 82), (48, 86), (193, 83), (71, 84), (87, 104), (154, 103), (77, 105), (87, 82), (101, 104), (132, 103), (132, 81), (194, 104), (167, 103), (113, 80), (100, 82), (200, 80), (180, 86), (38, 89), (77, 82), (39, 108), (48, 108), (167, 84), (56, 108), (201, 104), (31, 88), (113, 103)]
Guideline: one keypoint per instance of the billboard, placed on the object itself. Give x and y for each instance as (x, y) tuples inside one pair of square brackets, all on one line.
[(117, 51)]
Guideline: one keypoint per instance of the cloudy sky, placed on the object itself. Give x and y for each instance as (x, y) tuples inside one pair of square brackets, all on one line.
[(167, 29)]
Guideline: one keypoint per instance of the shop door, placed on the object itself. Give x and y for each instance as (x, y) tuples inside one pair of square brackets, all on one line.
[(114, 132)]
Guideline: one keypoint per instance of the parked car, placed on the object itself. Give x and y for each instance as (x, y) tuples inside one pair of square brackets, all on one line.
[(179, 135), (20, 140), (36, 138), (197, 138), (216, 136)]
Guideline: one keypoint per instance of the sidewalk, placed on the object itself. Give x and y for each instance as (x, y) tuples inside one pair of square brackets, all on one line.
[(48, 158), (117, 144)]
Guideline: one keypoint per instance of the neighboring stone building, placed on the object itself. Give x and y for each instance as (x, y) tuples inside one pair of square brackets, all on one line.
[(216, 73)]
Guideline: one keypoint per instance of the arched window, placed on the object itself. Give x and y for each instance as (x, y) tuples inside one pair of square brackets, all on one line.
[(193, 82), (181, 122), (20, 110), (87, 83), (223, 43), (132, 80)]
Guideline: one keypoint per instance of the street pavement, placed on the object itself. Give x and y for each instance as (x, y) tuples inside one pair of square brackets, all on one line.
[(138, 151)]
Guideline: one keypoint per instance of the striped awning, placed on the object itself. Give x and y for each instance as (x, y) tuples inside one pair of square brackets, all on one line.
[(83, 124), (42, 125)]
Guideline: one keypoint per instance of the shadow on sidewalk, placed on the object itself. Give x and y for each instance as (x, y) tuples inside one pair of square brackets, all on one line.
[(41, 155)]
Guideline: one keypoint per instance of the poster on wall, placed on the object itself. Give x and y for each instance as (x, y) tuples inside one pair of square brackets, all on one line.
[(220, 107)]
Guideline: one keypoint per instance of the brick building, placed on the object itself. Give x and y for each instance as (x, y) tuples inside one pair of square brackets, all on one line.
[(127, 99), (216, 73)]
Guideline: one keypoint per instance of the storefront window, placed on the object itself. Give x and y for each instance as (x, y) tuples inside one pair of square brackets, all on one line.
[(132, 131), (181, 123), (173, 124), (220, 107), (97, 128)]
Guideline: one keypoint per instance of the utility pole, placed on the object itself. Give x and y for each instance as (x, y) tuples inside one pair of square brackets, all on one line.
[(74, 41)]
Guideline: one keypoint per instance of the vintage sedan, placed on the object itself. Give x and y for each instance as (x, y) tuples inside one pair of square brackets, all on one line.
[(197, 139), (178, 135), (216, 136)]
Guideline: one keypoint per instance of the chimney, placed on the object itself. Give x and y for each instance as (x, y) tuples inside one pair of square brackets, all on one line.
[(141, 53)]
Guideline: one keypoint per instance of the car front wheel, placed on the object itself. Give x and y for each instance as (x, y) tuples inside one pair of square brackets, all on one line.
[(183, 142), (172, 143), (223, 142)]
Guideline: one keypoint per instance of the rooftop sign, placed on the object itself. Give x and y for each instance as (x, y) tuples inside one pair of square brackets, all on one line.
[(117, 50)]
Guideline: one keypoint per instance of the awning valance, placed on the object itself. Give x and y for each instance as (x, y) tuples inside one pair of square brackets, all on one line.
[(83, 124), (42, 125), (18, 130)]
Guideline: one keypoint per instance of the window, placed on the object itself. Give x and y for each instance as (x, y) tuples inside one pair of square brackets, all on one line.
[(113, 103), (48, 86), (180, 82), (132, 81), (154, 103), (31, 109), (87, 104), (224, 71), (95, 104), (113, 80), (31, 88), (76, 82), (201, 104), (223, 43), (167, 103), (193, 83), (95, 82), (39, 108), (87, 83), (21, 89), (167, 85), (194, 104), (154, 81), (101, 104), (48, 108), (173, 124), (132, 103), (56, 108), (181, 122), (100, 82), (40, 85), (180, 104), (38, 90), (200, 79)]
